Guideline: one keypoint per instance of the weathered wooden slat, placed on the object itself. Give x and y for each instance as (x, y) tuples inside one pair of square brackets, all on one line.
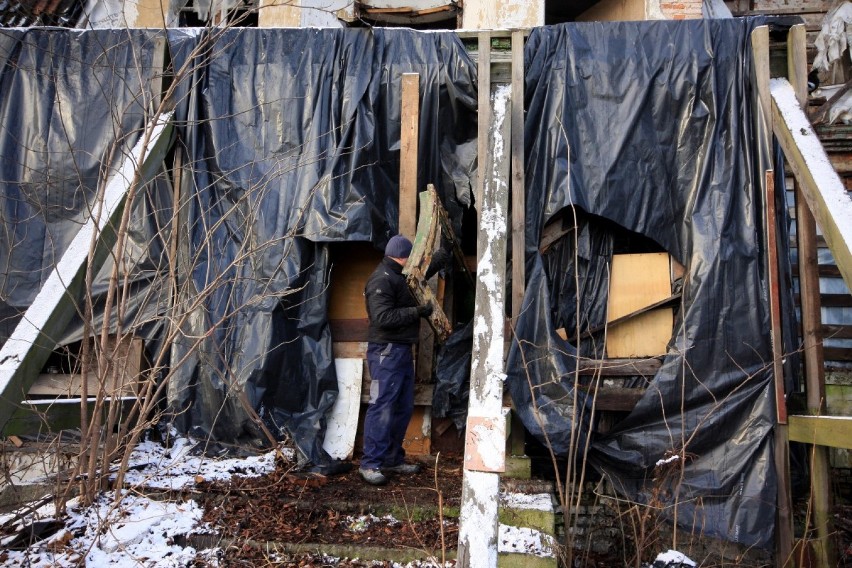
[(784, 520), (409, 135), (837, 354), (836, 332), (830, 431), (814, 364), (518, 191), (670, 301), (823, 270), (485, 451), (825, 194), (619, 367), (429, 228), (828, 300)]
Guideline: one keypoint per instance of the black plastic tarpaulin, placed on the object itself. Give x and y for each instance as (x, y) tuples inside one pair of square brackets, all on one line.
[(72, 104), (293, 138), (655, 126)]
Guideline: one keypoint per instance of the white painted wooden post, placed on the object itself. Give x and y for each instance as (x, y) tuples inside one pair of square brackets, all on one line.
[(485, 444)]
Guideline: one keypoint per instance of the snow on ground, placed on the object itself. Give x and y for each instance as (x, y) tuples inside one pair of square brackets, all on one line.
[(525, 541), (136, 532), (156, 467), (139, 531), (527, 501)]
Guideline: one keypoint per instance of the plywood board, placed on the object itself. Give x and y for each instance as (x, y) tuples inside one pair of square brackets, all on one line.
[(342, 419), (418, 436), (351, 265), (638, 280)]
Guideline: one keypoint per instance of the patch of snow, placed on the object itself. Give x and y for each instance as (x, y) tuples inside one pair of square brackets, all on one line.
[(154, 466), (672, 558), (136, 532), (838, 203), (524, 501), (667, 460), (524, 541)]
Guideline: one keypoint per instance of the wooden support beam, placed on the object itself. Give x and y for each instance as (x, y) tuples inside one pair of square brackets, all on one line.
[(518, 188), (784, 519), (829, 431), (32, 341), (409, 132), (485, 446), (814, 363), (824, 192), (619, 367)]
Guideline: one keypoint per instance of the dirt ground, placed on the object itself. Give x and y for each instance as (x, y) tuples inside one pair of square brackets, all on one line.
[(341, 510)]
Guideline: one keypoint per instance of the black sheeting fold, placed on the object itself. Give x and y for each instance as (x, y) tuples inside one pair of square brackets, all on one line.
[(655, 126), (71, 105), (298, 146)]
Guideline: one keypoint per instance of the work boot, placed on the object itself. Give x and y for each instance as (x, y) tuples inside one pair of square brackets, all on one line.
[(404, 468), (373, 476)]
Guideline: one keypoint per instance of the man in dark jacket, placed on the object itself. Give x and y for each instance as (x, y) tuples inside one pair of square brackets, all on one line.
[(394, 328)]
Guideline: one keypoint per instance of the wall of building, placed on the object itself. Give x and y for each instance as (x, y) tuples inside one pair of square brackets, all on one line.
[(502, 14), (305, 13), (614, 11), (672, 9), (632, 10)]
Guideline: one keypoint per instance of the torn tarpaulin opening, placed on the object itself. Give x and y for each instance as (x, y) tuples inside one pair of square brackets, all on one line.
[(664, 139)]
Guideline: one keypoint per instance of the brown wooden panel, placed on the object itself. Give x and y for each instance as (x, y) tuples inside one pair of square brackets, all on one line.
[(409, 124), (349, 330), (418, 440), (351, 265), (830, 300), (837, 354), (824, 271), (836, 331), (639, 280)]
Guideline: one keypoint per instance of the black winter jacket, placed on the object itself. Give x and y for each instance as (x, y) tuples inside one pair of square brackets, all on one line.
[(390, 306)]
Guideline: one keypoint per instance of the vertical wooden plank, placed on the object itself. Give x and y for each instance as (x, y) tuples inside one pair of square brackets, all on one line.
[(485, 440), (784, 528), (484, 114), (415, 442), (774, 298), (797, 72), (760, 48), (517, 441), (518, 173), (783, 519), (409, 131)]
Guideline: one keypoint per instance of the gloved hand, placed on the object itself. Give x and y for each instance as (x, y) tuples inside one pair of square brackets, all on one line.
[(440, 260), (425, 310)]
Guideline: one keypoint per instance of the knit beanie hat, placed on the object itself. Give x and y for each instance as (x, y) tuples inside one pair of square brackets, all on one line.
[(398, 247)]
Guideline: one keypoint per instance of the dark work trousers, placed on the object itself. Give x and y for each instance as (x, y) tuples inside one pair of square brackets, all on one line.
[(391, 404)]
